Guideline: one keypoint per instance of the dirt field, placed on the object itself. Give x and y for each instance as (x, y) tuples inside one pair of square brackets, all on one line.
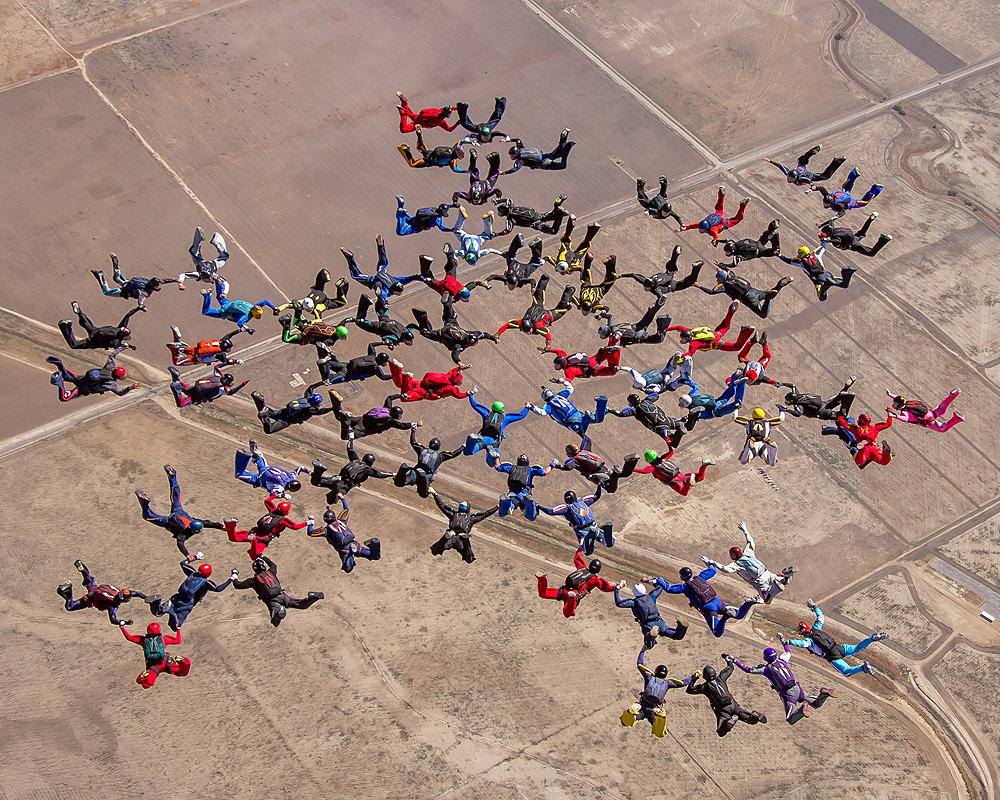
[(977, 550), (964, 668), (717, 67), (425, 677), (889, 605)]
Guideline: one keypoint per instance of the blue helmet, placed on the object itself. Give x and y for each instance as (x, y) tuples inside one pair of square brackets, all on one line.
[(315, 399), (196, 525), (464, 294), (463, 506)]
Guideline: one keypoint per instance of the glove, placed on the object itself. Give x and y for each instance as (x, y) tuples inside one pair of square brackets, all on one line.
[(811, 604), (199, 556), (474, 390), (728, 657), (706, 560), (121, 623), (234, 573), (622, 583), (782, 639)]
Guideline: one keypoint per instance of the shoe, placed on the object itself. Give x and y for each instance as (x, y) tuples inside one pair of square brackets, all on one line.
[(319, 464), (960, 417), (400, 200), (541, 575), (681, 623), (171, 472), (789, 571), (762, 719), (564, 135), (731, 611), (654, 632), (868, 669), (99, 274), (722, 190), (954, 393), (65, 590), (804, 709), (707, 461), (75, 306), (745, 201), (233, 520), (80, 567), (52, 360), (873, 215), (763, 335), (878, 637), (827, 693), (887, 450), (152, 599), (142, 496), (316, 596)]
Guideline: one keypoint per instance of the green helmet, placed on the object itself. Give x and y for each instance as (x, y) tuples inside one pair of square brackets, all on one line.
[(650, 456), (341, 332), (497, 407)]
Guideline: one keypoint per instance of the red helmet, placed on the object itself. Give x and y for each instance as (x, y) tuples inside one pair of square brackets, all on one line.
[(205, 570), (805, 628), (153, 629), (118, 373), (284, 507), (735, 553), (864, 419), (752, 375)]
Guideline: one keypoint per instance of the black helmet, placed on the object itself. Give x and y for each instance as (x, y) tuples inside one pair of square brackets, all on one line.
[(661, 671), (709, 673), (293, 486), (382, 359), (686, 573), (329, 515), (594, 566), (789, 398), (225, 345), (633, 399), (559, 361), (227, 379), (396, 412), (155, 284), (523, 460), (368, 458), (569, 497), (434, 444), (259, 566)]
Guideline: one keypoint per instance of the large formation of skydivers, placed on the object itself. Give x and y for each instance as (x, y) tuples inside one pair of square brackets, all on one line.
[(302, 323)]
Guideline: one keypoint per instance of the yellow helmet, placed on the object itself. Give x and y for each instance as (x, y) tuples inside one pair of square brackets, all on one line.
[(256, 312), (758, 413), (803, 251)]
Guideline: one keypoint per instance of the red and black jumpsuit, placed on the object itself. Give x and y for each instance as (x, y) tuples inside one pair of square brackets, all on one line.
[(571, 597)]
